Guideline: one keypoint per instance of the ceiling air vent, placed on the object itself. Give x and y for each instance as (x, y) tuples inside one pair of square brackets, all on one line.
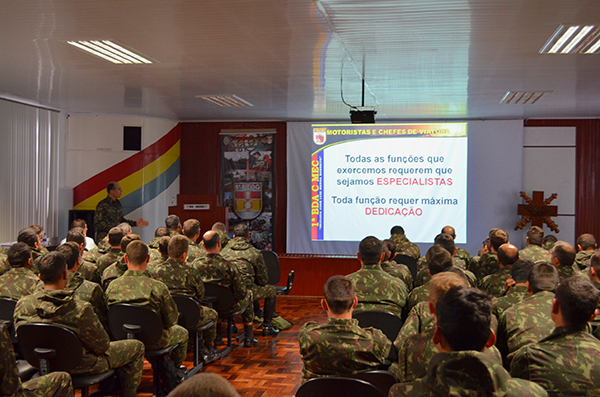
[(228, 101), (523, 97)]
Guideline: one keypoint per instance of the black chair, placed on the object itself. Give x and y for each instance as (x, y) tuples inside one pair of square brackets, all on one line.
[(189, 315), (272, 262), (7, 310), (127, 321), (223, 303), (338, 387), (388, 323), (50, 347), (382, 380), (409, 261)]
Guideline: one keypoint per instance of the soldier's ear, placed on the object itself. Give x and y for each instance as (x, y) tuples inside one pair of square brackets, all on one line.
[(555, 307), (324, 305), (431, 307), (594, 314), (491, 340)]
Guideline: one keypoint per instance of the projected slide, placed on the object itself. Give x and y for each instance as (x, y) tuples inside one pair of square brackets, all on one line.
[(368, 178)]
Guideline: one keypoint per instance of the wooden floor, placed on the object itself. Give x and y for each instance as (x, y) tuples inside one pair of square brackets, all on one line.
[(273, 367)]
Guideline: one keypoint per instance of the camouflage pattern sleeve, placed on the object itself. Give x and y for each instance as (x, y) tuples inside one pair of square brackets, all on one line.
[(91, 332), (168, 308), (104, 218), (9, 375), (261, 276)]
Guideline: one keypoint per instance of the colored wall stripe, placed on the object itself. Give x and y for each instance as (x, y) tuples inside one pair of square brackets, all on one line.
[(150, 190), (91, 188)]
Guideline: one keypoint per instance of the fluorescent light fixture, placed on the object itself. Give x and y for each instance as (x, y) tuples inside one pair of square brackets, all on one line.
[(111, 51), (522, 97), (573, 40), (225, 100)]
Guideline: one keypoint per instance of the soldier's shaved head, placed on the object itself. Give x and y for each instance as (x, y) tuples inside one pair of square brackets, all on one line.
[(449, 230), (508, 254), (211, 239)]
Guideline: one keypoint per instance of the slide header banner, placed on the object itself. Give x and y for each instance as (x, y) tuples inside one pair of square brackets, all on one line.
[(370, 178)]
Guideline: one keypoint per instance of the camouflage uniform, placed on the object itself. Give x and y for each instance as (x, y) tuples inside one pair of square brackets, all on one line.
[(400, 271), (513, 296), (109, 213), (466, 373), (251, 264), (89, 272), (224, 239), (405, 247), (195, 251), (582, 259), (113, 272), (99, 353), (4, 266), (464, 255), (214, 269), (486, 265), (564, 272), (340, 347), (565, 363), (112, 256), (419, 294), (182, 279), (153, 249), (55, 384), (494, 283), (90, 292), (92, 255), (138, 288), (534, 253), (418, 321), (423, 276), (36, 254), (156, 262), (378, 291), (18, 282), (525, 323)]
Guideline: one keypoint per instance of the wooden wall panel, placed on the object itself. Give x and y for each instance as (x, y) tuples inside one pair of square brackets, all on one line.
[(587, 171)]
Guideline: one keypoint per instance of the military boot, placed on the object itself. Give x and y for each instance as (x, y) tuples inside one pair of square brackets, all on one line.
[(249, 340), (219, 337), (268, 328)]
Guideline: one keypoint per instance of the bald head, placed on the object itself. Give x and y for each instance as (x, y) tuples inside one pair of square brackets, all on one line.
[(508, 254), (212, 242), (449, 230)]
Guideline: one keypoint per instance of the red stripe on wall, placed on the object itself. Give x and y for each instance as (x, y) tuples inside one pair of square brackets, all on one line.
[(126, 167)]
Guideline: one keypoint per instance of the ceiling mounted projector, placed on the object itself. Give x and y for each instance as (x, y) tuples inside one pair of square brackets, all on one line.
[(362, 116)]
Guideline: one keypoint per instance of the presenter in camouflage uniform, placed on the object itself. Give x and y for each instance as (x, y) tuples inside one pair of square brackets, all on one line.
[(19, 280), (214, 269), (340, 346), (56, 305), (109, 212), (566, 362), (136, 287), (251, 264)]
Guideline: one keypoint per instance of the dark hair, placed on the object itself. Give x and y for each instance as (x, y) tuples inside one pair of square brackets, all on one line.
[(110, 186), (161, 232), (128, 239), (219, 227), (564, 252), (595, 262), (578, 299), (339, 293), (463, 316), (137, 252), (163, 245), (370, 249), (51, 267), (18, 255), (438, 259), (28, 236), (241, 230), (543, 276), (497, 238), (211, 242), (535, 234), (172, 222), (391, 246), (37, 229), (115, 235), (446, 241), (504, 256), (191, 227), (79, 223), (178, 245), (397, 230), (455, 270), (70, 250), (549, 240), (520, 270), (586, 241), (76, 234)]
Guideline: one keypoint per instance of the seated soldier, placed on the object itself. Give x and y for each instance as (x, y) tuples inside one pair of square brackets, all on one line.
[(493, 284), (173, 225), (376, 290), (136, 287), (183, 279), (55, 384), (119, 267), (549, 241), (562, 255), (89, 242), (566, 362), (340, 347), (517, 287), (83, 289), (447, 242), (29, 237), (461, 252), (20, 280), (398, 270), (461, 368), (528, 321), (87, 269), (57, 305), (191, 230), (115, 235), (163, 250), (214, 269), (533, 249), (220, 228), (403, 244), (586, 246), (488, 262), (153, 245)]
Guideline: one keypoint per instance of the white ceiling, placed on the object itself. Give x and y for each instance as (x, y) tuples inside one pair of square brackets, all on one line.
[(421, 59)]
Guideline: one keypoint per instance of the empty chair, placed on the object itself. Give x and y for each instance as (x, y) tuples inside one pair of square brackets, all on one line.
[(274, 272), (338, 387), (127, 321), (409, 261), (50, 347), (223, 303), (388, 324)]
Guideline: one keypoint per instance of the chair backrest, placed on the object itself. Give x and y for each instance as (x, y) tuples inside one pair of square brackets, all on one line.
[(189, 311), (223, 295), (338, 387), (388, 323), (409, 261), (7, 311), (272, 263), (38, 339), (121, 314), (382, 380)]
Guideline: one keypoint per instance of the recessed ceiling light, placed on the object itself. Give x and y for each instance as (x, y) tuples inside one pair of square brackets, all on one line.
[(225, 100), (573, 39), (522, 97), (111, 51)]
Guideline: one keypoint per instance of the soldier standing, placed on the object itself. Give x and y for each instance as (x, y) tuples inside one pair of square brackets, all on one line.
[(109, 212)]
